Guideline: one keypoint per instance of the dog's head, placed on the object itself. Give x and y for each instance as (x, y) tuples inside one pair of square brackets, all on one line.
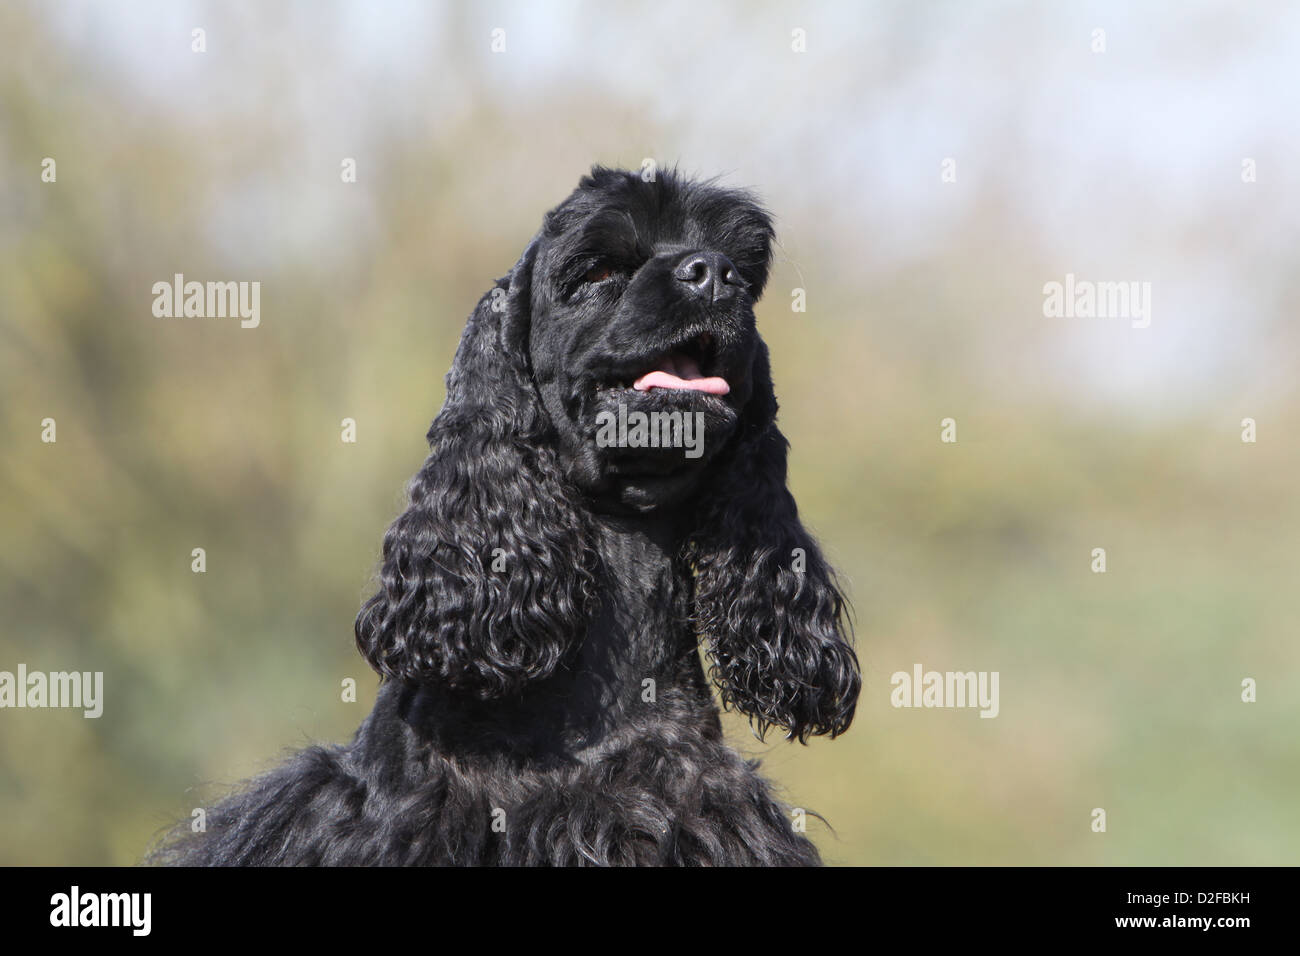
[(642, 312), (616, 368)]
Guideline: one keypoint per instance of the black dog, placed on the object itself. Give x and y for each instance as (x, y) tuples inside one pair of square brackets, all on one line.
[(544, 594)]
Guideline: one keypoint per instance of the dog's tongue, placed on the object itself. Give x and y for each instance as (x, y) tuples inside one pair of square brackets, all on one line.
[(681, 371)]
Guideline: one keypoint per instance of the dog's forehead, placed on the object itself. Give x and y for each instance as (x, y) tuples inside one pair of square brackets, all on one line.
[(623, 210)]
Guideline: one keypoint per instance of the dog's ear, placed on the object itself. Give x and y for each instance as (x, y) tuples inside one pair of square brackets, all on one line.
[(766, 600), (487, 576)]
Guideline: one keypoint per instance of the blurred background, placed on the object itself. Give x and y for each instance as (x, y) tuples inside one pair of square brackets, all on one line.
[(925, 300)]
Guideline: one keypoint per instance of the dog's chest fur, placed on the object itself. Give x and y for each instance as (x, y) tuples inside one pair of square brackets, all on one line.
[(618, 758)]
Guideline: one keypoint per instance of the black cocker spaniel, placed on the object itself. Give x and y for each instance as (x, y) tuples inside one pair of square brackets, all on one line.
[(606, 488)]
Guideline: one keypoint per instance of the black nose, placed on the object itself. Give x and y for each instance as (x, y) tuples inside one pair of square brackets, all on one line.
[(709, 275)]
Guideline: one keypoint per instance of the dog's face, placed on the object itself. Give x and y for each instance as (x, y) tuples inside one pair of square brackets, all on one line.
[(635, 298), (642, 314)]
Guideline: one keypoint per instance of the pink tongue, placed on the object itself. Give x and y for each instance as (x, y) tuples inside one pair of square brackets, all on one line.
[(680, 371)]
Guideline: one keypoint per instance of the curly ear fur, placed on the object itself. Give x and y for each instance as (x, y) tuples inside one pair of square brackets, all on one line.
[(489, 494), (776, 635)]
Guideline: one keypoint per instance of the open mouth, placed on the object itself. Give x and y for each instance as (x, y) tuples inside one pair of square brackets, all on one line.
[(682, 368)]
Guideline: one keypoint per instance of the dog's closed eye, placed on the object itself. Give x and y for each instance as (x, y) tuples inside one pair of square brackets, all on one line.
[(599, 272), (589, 272), (602, 270)]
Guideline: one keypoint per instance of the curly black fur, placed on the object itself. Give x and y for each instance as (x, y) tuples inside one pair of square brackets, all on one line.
[(542, 598)]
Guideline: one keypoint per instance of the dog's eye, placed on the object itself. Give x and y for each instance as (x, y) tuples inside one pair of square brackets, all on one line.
[(598, 273)]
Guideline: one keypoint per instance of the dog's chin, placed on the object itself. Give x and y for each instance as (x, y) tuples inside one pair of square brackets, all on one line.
[(653, 447)]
